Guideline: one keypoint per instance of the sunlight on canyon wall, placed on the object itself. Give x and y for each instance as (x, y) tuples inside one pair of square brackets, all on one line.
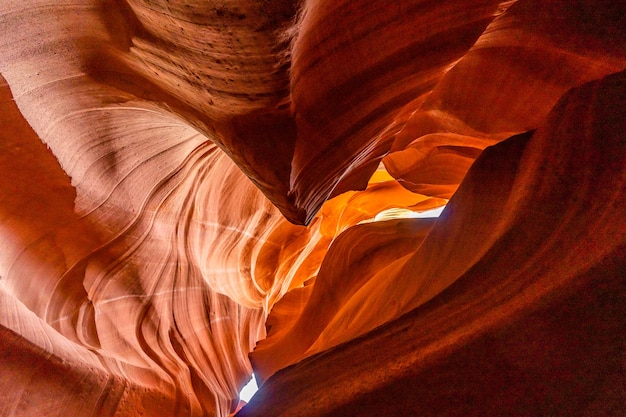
[(192, 191)]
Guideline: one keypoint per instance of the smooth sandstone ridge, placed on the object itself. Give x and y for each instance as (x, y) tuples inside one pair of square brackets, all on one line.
[(191, 191)]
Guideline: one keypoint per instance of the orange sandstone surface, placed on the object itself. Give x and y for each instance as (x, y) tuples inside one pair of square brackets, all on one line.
[(192, 191)]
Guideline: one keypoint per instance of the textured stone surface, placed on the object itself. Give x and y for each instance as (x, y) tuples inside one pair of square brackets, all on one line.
[(533, 325), (184, 182)]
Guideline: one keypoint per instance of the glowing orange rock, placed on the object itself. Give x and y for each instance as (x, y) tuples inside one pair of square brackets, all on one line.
[(159, 159), (530, 323)]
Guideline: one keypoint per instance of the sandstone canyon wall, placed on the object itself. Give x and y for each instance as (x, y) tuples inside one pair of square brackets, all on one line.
[(191, 191)]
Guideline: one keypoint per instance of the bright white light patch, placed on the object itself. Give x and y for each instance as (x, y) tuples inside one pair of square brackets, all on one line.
[(248, 390), (399, 213), (428, 213)]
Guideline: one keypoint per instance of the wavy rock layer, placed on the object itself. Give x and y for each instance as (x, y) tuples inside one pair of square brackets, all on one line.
[(181, 179), (531, 323)]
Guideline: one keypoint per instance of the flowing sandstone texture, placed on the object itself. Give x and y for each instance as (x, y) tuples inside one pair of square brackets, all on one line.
[(194, 190)]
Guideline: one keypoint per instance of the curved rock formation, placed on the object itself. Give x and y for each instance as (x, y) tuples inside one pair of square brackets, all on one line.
[(524, 316), (187, 183)]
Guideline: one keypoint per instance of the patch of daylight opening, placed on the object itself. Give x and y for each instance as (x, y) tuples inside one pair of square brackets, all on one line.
[(428, 214), (248, 390), (399, 213)]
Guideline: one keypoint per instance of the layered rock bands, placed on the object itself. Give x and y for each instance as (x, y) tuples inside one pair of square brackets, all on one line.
[(191, 191)]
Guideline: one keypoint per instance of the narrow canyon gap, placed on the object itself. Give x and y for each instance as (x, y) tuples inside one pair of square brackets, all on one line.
[(195, 190)]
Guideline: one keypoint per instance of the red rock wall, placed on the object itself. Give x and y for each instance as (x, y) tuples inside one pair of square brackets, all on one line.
[(184, 182)]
